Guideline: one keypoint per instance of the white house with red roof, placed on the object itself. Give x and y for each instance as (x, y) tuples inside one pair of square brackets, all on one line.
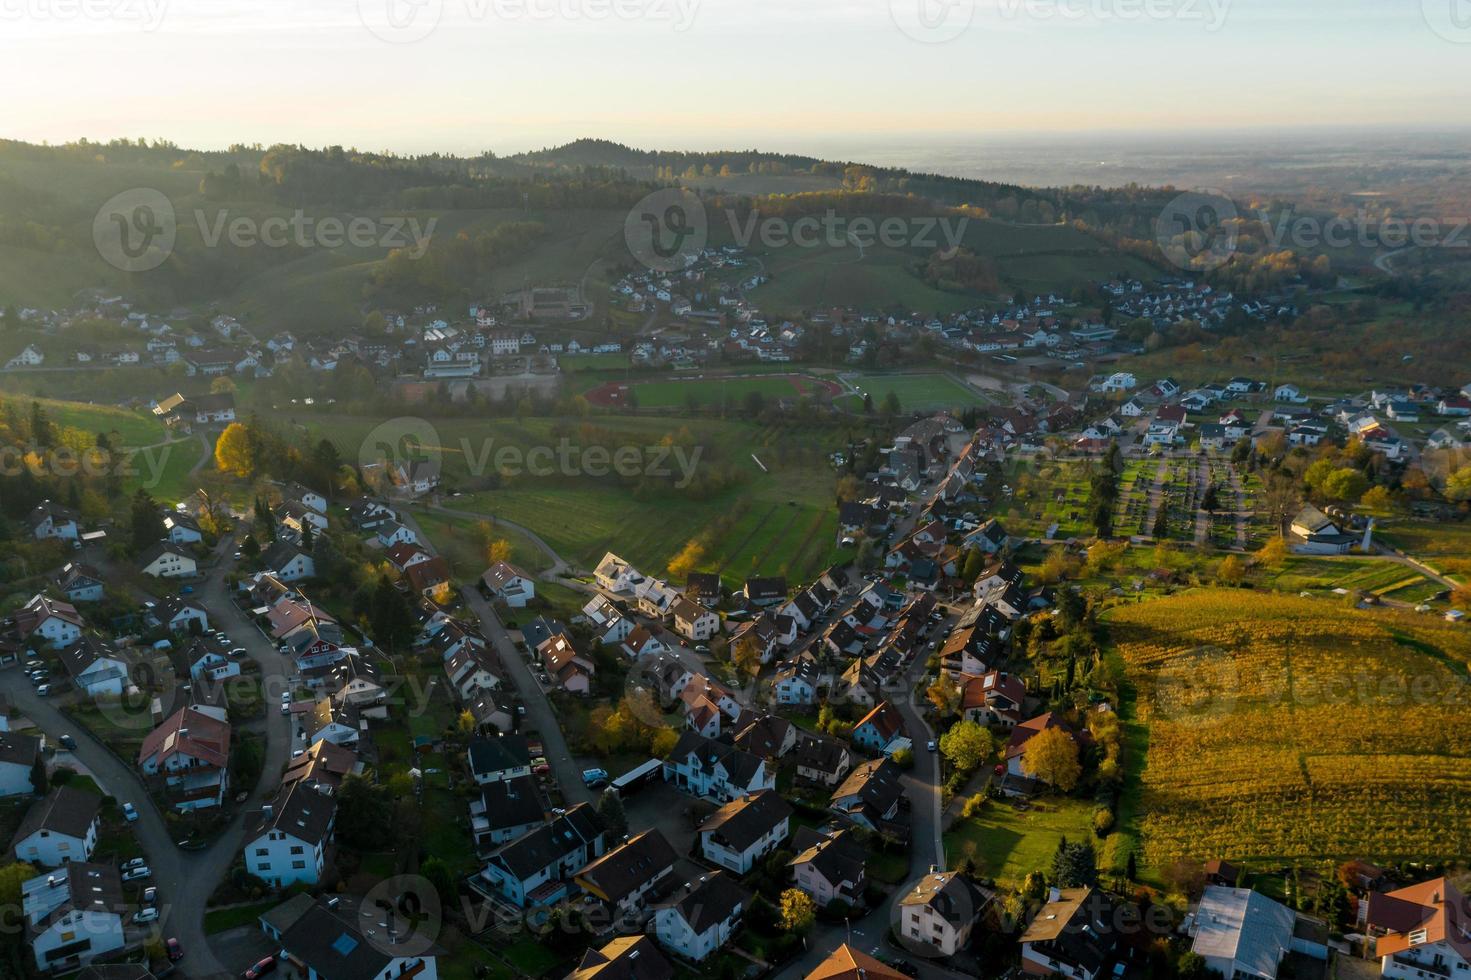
[(191, 750), (1422, 932)]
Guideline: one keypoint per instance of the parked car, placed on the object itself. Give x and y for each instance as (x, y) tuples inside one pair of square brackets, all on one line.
[(145, 915), (930, 745), (67, 742), (150, 895), (130, 812), (187, 590), (138, 874), (132, 863), (175, 951), (593, 778), (267, 965), (44, 690), (238, 652)]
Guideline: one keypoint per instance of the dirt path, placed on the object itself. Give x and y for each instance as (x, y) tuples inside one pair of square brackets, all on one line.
[(1157, 495)]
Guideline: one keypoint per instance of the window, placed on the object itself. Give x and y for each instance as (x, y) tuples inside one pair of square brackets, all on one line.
[(262, 851), (298, 850), (298, 865), (1418, 936)]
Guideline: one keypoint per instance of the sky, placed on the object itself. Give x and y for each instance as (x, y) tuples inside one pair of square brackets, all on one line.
[(465, 76)]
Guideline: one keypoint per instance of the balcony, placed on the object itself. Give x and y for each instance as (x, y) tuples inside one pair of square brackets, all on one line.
[(1410, 963)]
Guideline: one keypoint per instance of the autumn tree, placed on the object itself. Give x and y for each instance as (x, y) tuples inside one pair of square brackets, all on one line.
[(967, 745), (1274, 553), (745, 653), (235, 452), (944, 694), (1231, 570), (687, 560), (1052, 756), (498, 551), (798, 911)]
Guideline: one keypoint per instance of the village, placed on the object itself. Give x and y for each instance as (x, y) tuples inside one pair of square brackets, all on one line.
[(681, 777)]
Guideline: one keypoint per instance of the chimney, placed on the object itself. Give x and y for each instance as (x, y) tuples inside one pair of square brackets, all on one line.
[(1054, 895)]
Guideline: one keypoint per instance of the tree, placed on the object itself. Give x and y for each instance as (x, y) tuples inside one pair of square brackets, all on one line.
[(745, 653), (498, 551), (798, 911), (967, 745), (891, 403), (1231, 570), (1052, 756), (1346, 484), (235, 451), (1274, 553), (364, 814), (944, 694), (610, 808), (250, 548), (663, 741), (438, 874), (145, 522), (687, 560), (1458, 485), (1074, 865), (39, 783)]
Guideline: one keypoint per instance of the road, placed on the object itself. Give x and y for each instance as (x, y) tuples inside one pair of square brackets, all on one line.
[(186, 879), (539, 712)]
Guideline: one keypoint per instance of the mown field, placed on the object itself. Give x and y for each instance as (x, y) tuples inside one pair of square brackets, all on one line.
[(1277, 728), (916, 392), (1010, 843)]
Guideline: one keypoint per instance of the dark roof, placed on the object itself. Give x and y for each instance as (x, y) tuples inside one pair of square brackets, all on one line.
[(300, 811), (19, 749), (1078, 929), (766, 588), (706, 585), (65, 810), (837, 856), (499, 753), (740, 764), (333, 947), (629, 866), (822, 754), (709, 900), (513, 802), (742, 822), (549, 843)]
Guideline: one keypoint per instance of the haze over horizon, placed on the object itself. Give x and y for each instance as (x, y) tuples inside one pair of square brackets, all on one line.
[(463, 76)]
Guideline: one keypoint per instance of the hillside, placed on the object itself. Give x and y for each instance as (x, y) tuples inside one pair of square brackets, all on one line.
[(1282, 728)]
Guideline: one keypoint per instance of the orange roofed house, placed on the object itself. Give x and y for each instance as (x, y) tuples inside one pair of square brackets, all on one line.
[(1422, 932)]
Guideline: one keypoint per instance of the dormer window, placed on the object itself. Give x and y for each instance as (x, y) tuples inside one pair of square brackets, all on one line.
[(1418, 936)]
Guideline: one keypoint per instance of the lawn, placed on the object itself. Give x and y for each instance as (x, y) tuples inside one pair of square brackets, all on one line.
[(131, 428), (164, 471), (716, 392), (219, 920), (1379, 576), (917, 392), (458, 539), (1010, 843), (1442, 546), (1275, 728)]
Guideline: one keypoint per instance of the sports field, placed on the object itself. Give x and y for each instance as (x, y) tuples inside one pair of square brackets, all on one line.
[(916, 392), (728, 392)]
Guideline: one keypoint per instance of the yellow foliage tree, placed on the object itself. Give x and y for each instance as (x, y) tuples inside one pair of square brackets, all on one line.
[(798, 910), (1052, 756), (687, 560), (745, 653), (1274, 553), (233, 451), (498, 551)]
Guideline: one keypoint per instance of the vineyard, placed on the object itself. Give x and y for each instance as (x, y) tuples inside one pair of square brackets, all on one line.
[(1287, 728)]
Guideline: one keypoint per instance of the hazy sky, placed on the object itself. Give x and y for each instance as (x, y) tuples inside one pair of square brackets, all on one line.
[(504, 75)]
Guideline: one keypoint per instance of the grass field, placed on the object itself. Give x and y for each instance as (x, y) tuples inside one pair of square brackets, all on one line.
[(1276, 728), (1443, 546), (164, 471), (458, 539), (715, 392), (1009, 843), (1377, 575), (916, 392)]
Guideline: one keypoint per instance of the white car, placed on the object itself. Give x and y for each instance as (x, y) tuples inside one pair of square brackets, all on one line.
[(145, 915), (130, 812), (137, 874), (44, 690), (129, 865), (285, 704)]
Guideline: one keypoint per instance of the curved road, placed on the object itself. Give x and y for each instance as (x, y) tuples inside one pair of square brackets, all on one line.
[(185, 879)]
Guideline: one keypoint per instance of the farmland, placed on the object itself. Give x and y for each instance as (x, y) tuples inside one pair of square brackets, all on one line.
[(1282, 728)]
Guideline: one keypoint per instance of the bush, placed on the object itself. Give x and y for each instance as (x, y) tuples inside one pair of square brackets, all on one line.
[(973, 806), (1102, 821), (904, 758)]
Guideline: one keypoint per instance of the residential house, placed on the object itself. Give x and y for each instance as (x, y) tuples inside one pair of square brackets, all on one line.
[(472, 670), (847, 963), (72, 915), (823, 761), (870, 795), (202, 658), (95, 667), (939, 912), (642, 642), (325, 942), (506, 809), (715, 771), (607, 621), (167, 560), (59, 829), (704, 588), (625, 958), (693, 621), (1024, 732), (509, 584), (1315, 533), (765, 591), (830, 865), (336, 721), (613, 574), (537, 868), (795, 681), (289, 842), (191, 751), (993, 698), (562, 659), (499, 758), (702, 916), (1072, 936), (289, 562), (80, 583), (1420, 932), (46, 619), (769, 736), (625, 878), (880, 729), (322, 767), (53, 522), (745, 830), (181, 616), (18, 756), (181, 528), (428, 578)]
